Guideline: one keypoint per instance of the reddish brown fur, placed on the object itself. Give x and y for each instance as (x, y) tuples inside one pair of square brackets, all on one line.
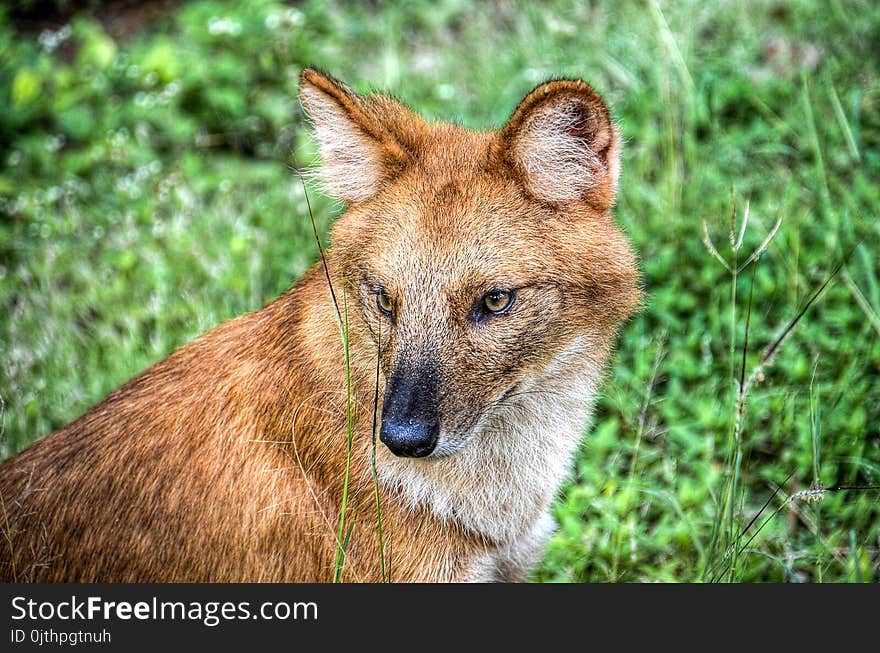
[(224, 462)]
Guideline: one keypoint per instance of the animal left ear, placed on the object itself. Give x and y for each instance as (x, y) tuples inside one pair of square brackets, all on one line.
[(561, 144)]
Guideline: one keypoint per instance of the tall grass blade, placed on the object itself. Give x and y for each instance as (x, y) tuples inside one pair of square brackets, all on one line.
[(382, 568), (815, 425), (742, 371), (817, 146), (771, 349), (340, 552), (862, 301), (669, 42), (844, 123), (320, 249), (714, 567), (341, 545), (343, 550), (853, 547)]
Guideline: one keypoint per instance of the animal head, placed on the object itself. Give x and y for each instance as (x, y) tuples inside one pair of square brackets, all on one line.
[(475, 263)]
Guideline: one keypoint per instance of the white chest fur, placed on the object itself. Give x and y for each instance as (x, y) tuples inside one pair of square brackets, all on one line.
[(501, 483)]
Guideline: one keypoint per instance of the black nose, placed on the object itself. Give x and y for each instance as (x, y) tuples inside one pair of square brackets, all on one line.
[(413, 438)]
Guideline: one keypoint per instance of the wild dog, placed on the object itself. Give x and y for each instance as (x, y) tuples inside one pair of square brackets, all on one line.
[(480, 280)]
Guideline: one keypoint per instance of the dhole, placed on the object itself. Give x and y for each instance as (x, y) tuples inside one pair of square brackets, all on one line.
[(482, 280)]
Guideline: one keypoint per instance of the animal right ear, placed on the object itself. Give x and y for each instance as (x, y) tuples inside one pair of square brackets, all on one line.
[(358, 150)]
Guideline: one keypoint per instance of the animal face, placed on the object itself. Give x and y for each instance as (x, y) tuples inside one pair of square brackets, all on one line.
[(474, 259)]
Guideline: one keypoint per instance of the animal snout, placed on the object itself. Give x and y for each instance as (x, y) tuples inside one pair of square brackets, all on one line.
[(410, 419), (411, 438)]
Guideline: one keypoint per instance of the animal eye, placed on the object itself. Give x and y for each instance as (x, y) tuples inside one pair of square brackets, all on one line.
[(497, 301), (383, 301)]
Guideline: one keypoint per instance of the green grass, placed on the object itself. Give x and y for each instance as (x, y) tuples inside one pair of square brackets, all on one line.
[(146, 195)]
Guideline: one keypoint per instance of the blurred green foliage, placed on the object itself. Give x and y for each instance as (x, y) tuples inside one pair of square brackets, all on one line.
[(146, 194)]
